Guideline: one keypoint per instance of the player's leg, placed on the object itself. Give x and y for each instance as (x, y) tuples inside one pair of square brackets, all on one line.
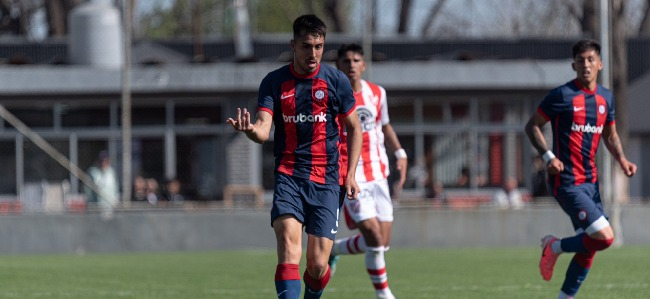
[(321, 225), (317, 274), (288, 234), (375, 259), (287, 221), (363, 212), (594, 233)]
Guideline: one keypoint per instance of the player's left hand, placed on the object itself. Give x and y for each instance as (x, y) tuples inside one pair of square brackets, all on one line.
[(351, 188), (628, 167), (402, 166)]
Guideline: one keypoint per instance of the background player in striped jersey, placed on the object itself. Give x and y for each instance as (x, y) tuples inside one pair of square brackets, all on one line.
[(373, 209), (580, 111), (304, 100)]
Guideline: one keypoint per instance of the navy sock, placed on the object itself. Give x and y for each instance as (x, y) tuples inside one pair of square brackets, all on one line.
[(287, 281), (314, 287), (575, 275), (574, 244)]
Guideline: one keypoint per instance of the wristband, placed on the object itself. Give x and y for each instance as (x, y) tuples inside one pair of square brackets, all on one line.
[(400, 154), (548, 156)]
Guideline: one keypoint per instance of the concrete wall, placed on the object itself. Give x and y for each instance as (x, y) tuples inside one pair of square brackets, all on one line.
[(235, 229)]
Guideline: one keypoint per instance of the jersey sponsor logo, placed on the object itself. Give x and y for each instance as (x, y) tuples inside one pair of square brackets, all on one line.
[(587, 128), (286, 96), (302, 118), (366, 119)]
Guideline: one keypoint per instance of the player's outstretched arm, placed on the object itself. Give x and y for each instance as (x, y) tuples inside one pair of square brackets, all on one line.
[(393, 144), (534, 132), (614, 146), (354, 151), (257, 132)]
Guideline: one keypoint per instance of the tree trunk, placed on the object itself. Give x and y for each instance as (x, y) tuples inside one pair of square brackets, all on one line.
[(404, 13), (589, 20), (332, 9), (644, 28), (435, 10)]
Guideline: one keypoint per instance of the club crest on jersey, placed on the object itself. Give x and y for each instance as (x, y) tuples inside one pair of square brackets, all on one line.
[(319, 95), (601, 109), (582, 215)]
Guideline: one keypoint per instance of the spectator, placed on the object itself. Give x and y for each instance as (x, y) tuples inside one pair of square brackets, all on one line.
[(139, 189), (104, 177), (508, 196), (152, 191), (173, 192)]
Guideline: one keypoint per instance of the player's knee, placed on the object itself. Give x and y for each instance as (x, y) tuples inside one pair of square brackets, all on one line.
[(593, 244), (317, 269)]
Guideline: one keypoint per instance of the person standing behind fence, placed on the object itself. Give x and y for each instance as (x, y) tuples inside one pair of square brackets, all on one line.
[(580, 112), (103, 175), (373, 209), (303, 100)]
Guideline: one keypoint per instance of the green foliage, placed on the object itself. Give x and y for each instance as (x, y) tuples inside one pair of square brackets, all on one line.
[(425, 273), (176, 20)]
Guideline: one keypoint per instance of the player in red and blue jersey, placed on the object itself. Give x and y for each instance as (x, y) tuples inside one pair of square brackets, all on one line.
[(580, 112), (304, 101)]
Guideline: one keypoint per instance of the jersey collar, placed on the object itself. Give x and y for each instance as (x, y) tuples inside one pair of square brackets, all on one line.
[(303, 76), (586, 90)]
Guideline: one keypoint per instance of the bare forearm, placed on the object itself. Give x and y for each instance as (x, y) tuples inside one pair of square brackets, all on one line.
[(614, 146), (536, 137)]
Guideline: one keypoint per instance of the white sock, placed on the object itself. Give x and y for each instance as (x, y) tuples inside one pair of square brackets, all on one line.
[(350, 245), (376, 266), (562, 295)]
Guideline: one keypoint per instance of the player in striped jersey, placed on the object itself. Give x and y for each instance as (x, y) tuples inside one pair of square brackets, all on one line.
[(373, 209), (580, 112), (305, 100)]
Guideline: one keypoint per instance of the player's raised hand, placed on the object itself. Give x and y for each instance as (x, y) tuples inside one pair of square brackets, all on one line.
[(242, 121), (555, 166)]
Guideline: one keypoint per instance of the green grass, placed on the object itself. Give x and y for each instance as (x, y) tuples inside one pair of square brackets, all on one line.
[(426, 273)]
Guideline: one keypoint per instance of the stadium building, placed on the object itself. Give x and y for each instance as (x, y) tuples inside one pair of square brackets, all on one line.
[(454, 104)]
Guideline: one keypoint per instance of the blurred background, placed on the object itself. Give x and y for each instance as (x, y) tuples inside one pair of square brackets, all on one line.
[(80, 78)]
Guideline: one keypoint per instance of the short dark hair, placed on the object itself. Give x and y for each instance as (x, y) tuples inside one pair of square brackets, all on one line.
[(356, 48), (310, 24), (585, 45)]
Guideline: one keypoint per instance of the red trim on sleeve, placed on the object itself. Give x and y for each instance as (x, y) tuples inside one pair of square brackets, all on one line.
[(265, 110), (539, 110)]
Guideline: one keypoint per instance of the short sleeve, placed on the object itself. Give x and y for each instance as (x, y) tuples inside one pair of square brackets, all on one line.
[(611, 111), (345, 95), (552, 104), (265, 96), (383, 102)]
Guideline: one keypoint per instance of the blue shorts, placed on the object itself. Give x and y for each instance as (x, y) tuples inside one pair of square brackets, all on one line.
[(582, 203), (315, 205)]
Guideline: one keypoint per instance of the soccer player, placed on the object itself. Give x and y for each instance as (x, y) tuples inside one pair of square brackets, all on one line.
[(372, 211), (580, 112), (303, 100)]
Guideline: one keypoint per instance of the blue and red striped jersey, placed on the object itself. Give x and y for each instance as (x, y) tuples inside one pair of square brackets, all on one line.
[(305, 111), (577, 117)]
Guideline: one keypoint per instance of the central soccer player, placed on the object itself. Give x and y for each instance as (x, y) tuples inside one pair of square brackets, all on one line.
[(580, 112), (304, 101)]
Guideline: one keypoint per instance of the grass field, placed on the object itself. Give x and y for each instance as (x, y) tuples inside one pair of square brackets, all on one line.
[(431, 273)]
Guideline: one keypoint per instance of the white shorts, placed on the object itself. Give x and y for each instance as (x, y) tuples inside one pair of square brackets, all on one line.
[(373, 201)]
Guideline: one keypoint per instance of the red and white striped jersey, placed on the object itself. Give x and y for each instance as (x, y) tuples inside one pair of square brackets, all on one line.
[(371, 105)]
